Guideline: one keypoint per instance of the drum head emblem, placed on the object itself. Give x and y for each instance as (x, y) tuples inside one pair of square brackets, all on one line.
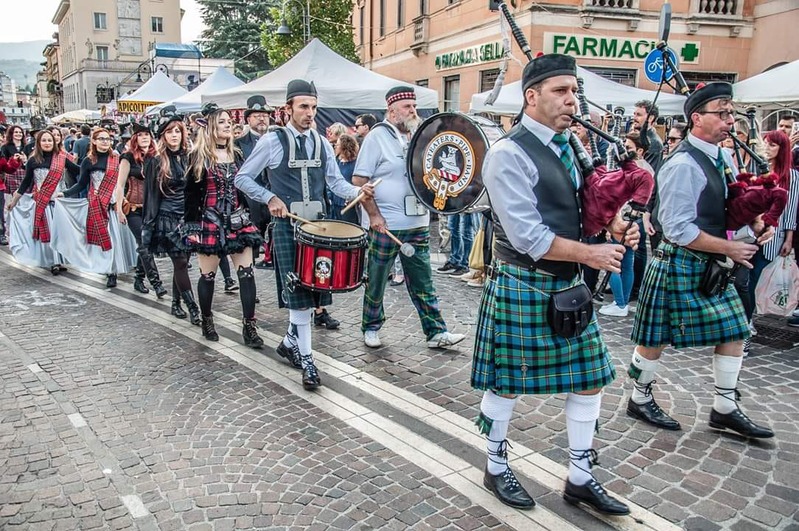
[(448, 166), (323, 268)]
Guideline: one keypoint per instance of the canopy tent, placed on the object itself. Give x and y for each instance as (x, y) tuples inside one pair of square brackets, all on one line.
[(597, 89), (777, 86), (220, 80), (158, 89), (79, 116), (345, 88)]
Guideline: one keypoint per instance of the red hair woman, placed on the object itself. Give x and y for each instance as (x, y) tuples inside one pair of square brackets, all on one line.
[(165, 178), (130, 201), (31, 214), (84, 232)]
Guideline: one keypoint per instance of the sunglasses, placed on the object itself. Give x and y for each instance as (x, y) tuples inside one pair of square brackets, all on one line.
[(103, 139), (673, 139)]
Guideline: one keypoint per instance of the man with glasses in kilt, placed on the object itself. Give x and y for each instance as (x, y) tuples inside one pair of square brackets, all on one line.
[(300, 163), (678, 304), (533, 184)]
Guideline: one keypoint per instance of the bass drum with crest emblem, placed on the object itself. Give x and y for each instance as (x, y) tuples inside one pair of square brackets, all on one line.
[(445, 161)]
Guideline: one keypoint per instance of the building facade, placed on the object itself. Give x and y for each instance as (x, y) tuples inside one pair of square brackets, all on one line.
[(8, 91), (455, 46), (104, 46)]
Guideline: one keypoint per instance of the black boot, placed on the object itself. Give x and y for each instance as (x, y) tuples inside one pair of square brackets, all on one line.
[(177, 311), (111, 280), (148, 261), (209, 332), (194, 310), (138, 280), (250, 334)]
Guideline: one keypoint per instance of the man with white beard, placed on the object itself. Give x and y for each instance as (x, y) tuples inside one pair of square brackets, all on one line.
[(382, 156)]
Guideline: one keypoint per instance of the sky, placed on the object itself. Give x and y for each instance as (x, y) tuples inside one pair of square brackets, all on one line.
[(31, 20)]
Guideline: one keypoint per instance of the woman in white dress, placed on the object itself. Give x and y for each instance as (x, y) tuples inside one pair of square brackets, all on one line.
[(85, 232), (31, 208)]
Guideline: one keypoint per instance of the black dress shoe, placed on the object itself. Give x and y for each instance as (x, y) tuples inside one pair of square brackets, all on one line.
[(738, 422), (292, 354), (508, 490), (263, 265), (652, 414), (324, 319), (310, 377), (594, 495)]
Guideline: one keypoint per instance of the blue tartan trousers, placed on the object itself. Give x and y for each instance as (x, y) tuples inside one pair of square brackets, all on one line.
[(418, 279)]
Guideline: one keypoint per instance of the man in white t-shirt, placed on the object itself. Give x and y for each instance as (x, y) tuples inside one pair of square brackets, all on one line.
[(395, 208)]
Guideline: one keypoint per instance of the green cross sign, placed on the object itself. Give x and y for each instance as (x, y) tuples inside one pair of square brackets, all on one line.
[(689, 52)]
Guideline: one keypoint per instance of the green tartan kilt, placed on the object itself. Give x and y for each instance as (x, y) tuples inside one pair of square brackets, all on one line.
[(516, 351), (672, 310), (284, 255)]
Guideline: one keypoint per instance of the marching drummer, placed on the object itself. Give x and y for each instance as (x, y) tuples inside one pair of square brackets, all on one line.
[(300, 163)]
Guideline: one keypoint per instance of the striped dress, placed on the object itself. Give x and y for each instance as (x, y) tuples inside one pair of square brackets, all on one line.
[(771, 250)]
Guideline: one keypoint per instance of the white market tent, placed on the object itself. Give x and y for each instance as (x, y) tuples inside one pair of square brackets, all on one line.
[(220, 80), (158, 89), (597, 89), (345, 88), (778, 86), (78, 116)]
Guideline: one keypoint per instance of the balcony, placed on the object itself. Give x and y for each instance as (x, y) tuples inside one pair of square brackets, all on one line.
[(624, 10), (109, 66), (727, 13), (421, 34)]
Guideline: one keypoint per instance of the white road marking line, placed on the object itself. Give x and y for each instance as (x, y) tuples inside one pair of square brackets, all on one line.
[(135, 506), (538, 467), (34, 368), (77, 420)]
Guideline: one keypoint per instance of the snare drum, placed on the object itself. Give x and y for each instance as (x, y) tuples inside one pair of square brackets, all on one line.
[(330, 256)]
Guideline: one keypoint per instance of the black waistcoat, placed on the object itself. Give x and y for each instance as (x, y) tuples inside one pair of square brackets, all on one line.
[(559, 205), (711, 212)]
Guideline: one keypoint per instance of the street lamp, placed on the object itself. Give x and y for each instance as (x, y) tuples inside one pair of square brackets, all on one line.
[(285, 30)]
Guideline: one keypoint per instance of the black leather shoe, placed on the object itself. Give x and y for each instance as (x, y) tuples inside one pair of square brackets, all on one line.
[(291, 354), (209, 331), (160, 290), (250, 334), (111, 281), (738, 422), (263, 265), (324, 319), (177, 310), (55, 271), (138, 285), (508, 490), (594, 495), (310, 377), (652, 414)]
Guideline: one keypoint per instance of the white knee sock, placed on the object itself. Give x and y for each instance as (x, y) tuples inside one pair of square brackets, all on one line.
[(643, 371), (498, 411), (301, 319), (725, 372), (582, 412)]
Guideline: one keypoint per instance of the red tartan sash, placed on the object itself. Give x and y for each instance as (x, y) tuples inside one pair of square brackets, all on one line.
[(42, 196), (99, 199)]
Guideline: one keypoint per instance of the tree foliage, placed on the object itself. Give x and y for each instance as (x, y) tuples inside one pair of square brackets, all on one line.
[(330, 21), (232, 31)]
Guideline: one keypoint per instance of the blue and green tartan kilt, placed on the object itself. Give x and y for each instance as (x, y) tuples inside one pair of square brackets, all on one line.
[(516, 351), (672, 310), (284, 255)]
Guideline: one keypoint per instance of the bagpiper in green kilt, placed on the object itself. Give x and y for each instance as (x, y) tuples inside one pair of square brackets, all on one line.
[(672, 310), (284, 255), (516, 351)]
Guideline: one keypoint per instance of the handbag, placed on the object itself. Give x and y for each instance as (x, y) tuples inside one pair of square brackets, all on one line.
[(239, 219), (716, 277), (570, 310)]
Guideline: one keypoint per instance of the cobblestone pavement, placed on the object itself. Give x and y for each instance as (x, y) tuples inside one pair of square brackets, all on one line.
[(111, 420)]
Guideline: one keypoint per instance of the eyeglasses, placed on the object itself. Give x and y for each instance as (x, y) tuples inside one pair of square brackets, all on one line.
[(103, 139), (358, 125), (723, 115), (673, 139)]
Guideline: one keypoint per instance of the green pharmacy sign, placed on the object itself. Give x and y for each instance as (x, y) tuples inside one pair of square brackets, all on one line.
[(615, 48), (473, 55)]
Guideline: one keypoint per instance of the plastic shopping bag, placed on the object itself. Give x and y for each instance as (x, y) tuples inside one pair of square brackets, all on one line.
[(777, 291)]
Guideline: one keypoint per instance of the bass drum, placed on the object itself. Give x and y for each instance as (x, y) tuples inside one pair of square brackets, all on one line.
[(445, 161)]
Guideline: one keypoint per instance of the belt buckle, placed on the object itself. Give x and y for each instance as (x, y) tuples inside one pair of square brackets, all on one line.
[(660, 254)]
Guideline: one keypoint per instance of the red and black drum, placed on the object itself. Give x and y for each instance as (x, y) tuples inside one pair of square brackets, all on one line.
[(445, 161), (330, 256)]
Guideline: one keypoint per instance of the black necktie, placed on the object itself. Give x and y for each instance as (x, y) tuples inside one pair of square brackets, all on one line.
[(302, 154)]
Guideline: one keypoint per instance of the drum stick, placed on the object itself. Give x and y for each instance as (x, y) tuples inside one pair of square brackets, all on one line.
[(360, 196), (405, 248), (298, 218)]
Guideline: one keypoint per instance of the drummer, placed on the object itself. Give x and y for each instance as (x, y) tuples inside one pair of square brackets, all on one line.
[(300, 163)]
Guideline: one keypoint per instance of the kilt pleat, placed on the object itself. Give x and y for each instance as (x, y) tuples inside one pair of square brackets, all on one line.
[(284, 255), (672, 310), (516, 351)]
